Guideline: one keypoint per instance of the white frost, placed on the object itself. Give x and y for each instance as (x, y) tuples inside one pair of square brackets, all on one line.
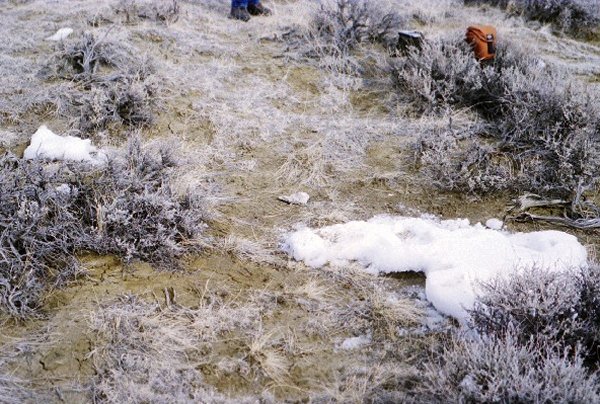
[(48, 145), (355, 342), (454, 255), (60, 34)]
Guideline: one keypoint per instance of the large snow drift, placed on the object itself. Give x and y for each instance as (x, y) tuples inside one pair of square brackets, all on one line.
[(455, 256), (48, 145)]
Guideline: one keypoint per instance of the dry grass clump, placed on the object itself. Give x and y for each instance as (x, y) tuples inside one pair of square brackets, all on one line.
[(369, 384), (501, 370), (380, 315), (16, 391), (51, 211), (145, 353), (540, 125), (579, 18)]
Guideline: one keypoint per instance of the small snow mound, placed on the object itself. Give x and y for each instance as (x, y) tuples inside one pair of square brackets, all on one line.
[(355, 342), (60, 35), (494, 224), (299, 198), (454, 255), (46, 144)]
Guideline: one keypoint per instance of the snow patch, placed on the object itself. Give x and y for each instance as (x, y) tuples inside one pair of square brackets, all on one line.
[(48, 145), (454, 255), (494, 224), (61, 34)]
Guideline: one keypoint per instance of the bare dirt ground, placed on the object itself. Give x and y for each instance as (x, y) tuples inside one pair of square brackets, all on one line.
[(250, 122)]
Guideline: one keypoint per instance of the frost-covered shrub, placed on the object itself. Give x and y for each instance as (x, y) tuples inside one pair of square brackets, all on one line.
[(39, 230), (543, 122), (501, 370), (461, 160), (560, 311), (341, 25), (580, 18), (136, 214), (79, 58), (49, 212), (105, 85), (126, 100), (166, 11)]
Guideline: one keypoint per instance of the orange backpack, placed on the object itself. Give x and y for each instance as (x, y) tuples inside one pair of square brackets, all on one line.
[(482, 39)]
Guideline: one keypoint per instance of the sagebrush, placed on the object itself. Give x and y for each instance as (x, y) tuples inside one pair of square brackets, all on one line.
[(540, 126), (51, 211), (557, 310), (580, 18)]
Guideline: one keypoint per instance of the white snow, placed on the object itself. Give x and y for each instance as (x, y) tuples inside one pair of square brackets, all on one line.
[(355, 342), (60, 34), (494, 224), (48, 145), (454, 255)]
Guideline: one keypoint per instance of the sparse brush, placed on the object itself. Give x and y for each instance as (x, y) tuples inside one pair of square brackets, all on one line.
[(501, 370), (460, 160), (165, 11), (123, 101), (340, 27), (559, 311), (102, 84), (579, 18), (48, 212), (80, 58), (343, 24)]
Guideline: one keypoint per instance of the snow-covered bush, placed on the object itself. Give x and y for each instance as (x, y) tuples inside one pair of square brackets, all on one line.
[(556, 310), (501, 370), (539, 121), (579, 18), (49, 212)]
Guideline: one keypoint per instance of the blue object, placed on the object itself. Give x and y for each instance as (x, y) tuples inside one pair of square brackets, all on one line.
[(243, 3)]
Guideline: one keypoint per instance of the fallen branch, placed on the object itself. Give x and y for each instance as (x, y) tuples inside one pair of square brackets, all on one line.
[(593, 223)]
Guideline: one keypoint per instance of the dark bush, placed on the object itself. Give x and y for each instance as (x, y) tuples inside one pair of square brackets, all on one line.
[(544, 124), (340, 27), (49, 212), (580, 18)]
